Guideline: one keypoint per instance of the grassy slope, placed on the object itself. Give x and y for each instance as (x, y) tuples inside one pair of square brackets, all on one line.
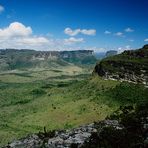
[(57, 99), (53, 98)]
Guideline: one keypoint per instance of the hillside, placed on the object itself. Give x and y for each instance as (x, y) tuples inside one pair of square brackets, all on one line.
[(130, 65), (58, 104), (11, 59)]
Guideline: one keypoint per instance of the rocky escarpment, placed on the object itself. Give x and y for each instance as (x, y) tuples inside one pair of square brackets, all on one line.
[(130, 65)]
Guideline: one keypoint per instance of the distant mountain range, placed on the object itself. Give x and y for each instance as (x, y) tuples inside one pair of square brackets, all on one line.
[(18, 59)]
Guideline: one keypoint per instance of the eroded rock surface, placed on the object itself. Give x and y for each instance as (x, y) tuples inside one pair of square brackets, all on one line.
[(63, 139)]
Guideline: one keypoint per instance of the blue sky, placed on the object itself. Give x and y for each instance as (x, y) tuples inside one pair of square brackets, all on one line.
[(73, 24)]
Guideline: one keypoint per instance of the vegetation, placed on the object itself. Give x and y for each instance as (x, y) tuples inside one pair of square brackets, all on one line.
[(133, 131), (47, 99), (125, 65), (62, 97)]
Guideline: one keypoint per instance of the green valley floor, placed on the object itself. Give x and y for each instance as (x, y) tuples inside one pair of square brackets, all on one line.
[(58, 99)]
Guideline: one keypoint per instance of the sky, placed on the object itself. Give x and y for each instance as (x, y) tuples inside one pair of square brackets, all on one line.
[(99, 25)]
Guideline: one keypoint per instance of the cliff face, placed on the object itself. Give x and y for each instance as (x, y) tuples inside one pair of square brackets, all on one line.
[(14, 59), (129, 66)]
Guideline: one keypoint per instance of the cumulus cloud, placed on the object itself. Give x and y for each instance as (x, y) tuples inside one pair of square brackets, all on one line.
[(107, 32), (1, 9), (15, 29), (37, 43), (73, 40), (88, 32), (71, 32), (146, 40), (33, 40), (120, 34), (129, 30), (75, 32), (17, 35)]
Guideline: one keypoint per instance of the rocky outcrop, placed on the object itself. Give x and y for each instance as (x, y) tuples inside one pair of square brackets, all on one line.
[(128, 66), (63, 139)]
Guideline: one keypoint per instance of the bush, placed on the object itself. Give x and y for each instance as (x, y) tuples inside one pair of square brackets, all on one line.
[(38, 92)]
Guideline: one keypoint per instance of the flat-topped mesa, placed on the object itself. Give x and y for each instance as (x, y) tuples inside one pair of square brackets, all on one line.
[(11, 59), (48, 54), (131, 65)]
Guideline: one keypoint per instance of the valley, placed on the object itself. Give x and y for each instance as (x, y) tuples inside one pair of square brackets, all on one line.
[(55, 99), (59, 97)]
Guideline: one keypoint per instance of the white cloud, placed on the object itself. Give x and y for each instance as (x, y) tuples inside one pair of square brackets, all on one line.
[(129, 30), (121, 49), (1, 9), (120, 34), (88, 32), (15, 29), (73, 40), (107, 32), (146, 40), (22, 43), (75, 32), (17, 35), (37, 43), (33, 40), (71, 32)]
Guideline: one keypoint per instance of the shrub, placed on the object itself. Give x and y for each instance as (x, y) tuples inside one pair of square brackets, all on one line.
[(38, 92)]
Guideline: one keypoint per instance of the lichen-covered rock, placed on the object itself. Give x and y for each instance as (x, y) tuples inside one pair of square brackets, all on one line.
[(27, 142)]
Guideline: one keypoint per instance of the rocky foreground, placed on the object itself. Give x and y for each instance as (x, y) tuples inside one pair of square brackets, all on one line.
[(105, 134), (75, 138), (127, 127)]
